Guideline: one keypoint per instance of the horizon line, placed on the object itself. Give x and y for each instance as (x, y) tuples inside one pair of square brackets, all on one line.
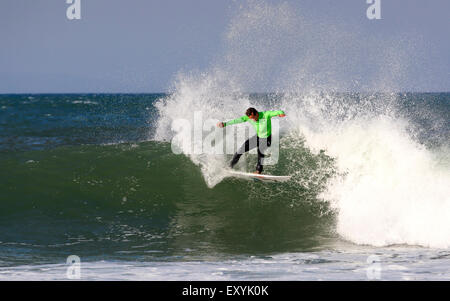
[(136, 93)]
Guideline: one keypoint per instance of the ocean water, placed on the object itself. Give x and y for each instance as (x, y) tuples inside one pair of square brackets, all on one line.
[(94, 175), (109, 179)]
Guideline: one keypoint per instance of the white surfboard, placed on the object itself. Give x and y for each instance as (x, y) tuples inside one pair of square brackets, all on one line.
[(261, 177)]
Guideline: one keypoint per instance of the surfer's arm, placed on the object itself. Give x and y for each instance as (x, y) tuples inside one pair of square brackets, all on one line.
[(279, 113), (235, 121)]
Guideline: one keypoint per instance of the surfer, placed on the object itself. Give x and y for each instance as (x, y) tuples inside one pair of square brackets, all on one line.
[(263, 138)]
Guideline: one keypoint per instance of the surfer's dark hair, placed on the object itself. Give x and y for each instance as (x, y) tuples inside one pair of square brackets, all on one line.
[(251, 111)]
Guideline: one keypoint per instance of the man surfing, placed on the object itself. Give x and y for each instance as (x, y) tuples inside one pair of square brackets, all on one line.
[(263, 138)]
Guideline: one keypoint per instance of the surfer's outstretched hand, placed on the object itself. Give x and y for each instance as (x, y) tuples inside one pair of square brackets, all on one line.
[(282, 115), (220, 125)]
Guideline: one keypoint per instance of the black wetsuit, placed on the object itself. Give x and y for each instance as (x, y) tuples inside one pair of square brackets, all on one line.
[(251, 143)]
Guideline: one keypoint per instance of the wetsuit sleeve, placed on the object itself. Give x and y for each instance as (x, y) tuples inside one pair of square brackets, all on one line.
[(274, 113), (237, 120)]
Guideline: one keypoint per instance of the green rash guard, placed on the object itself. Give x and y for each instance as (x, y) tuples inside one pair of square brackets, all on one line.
[(263, 126)]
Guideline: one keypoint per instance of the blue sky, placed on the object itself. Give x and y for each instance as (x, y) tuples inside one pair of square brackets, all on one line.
[(139, 45)]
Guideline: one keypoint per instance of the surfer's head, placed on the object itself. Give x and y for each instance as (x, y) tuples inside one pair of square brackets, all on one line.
[(252, 113)]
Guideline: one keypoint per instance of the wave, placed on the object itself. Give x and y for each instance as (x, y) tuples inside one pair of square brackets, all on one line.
[(371, 168), (391, 189), (377, 173), (134, 195)]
